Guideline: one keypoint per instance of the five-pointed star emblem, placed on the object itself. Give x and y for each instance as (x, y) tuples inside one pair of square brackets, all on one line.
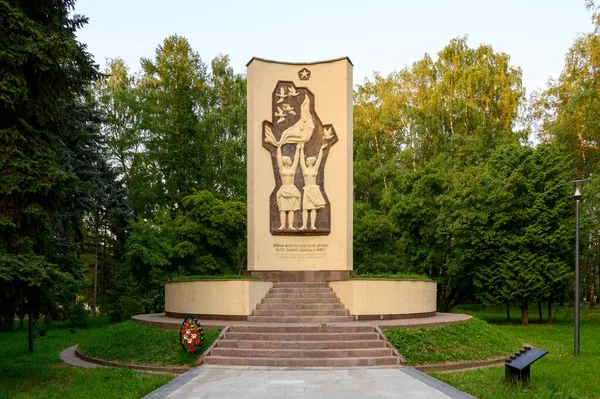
[(304, 74)]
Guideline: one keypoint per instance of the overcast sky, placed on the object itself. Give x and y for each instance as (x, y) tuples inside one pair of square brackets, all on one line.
[(377, 35)]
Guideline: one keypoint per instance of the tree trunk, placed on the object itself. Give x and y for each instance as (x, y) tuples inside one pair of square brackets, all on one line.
[(592, 286), (21, 317), (94, 302), (47, 318), (508, 312), (525, 313), (30, 324), (549, 311), (540, 312)]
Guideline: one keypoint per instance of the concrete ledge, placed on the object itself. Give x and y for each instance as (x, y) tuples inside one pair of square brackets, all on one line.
[(169, 323), (215, 298), (394, 316), (207, 316), (138, 367), (386, 299), (461, 365)]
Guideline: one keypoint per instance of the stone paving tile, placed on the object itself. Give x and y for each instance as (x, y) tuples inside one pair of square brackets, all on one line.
[(314, 384)]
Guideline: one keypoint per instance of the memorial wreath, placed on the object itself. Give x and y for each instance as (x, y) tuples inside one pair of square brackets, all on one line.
[(191, 335)]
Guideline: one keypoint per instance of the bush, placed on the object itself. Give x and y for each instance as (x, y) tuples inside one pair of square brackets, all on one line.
[(125, 299), (125, 307), (79, 315)]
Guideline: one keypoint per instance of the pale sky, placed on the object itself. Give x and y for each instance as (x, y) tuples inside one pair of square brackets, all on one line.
[(377, 35)]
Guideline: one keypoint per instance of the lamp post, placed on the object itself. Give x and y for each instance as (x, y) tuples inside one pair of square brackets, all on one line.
[(577, 197), (578, 183)]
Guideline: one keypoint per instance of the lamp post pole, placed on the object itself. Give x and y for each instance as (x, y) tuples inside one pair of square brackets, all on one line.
[(576, 345), (578, 183)]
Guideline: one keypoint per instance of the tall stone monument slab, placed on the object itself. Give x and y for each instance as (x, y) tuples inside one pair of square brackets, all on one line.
[(300, 168)]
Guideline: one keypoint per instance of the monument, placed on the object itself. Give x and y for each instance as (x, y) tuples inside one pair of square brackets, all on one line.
[(299, 169), (300, 213)]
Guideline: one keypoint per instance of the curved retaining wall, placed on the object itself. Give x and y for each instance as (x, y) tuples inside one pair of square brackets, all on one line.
[(382, 299), (214, 299)]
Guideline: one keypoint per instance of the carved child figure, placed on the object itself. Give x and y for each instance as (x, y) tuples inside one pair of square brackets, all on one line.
[(312, 198), (288, 196)]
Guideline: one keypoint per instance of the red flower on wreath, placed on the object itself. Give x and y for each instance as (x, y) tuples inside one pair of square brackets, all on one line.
[(191, 335)]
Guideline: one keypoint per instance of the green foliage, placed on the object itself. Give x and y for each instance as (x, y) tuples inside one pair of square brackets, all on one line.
[(567, 112), (470, 340), (124, 299), (444, 187), (48, 149), (175, 130), (529, 229), (78, 317), (376, 248), (208, 237)]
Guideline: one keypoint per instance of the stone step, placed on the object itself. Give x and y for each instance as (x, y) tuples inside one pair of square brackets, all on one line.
[(302, 329), (303, 362), (263, 344), (300, 312), (301, 353), (300, 306), (299, 336), (300, 319), (293, 295), (300, 290), (284, 284), (308, 299)]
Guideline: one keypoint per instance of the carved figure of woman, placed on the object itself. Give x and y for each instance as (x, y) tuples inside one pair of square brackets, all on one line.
[(312, 198), (288, 195)]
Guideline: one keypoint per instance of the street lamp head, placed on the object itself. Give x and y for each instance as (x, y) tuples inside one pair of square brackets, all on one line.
[(578, 184), (577, 194)]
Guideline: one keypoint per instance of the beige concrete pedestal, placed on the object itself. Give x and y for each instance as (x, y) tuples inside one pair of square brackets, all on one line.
[(297, 112)]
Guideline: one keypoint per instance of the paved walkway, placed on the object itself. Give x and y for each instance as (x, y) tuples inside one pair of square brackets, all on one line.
[(68, 356), (160, 320), (213, 382)]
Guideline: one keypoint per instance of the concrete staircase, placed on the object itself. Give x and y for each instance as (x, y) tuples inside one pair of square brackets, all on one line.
[(289, 329), (300, 303)]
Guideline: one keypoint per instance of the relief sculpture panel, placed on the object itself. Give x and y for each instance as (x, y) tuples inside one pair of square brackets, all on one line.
[(299, 144)]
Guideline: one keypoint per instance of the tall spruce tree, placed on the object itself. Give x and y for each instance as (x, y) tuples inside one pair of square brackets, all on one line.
[(42, 88)]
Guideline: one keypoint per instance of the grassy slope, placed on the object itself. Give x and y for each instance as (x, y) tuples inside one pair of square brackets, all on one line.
[(130, 342), (558, 375), (43, 375), (471, 340)]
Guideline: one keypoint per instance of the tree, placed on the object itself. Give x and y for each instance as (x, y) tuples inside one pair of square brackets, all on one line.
[(46, 72), (528, 228), (118, 101), (226, 125), (207, 237), (433, 107), (421, 137), (570, 121), (174, 97)]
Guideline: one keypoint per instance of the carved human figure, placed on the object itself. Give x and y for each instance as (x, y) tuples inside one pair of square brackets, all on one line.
[(288, 195), (312, 198)]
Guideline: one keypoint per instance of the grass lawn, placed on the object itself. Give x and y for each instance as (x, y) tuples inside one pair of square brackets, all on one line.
[(557, 375), (470, 340), (43, 375)]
